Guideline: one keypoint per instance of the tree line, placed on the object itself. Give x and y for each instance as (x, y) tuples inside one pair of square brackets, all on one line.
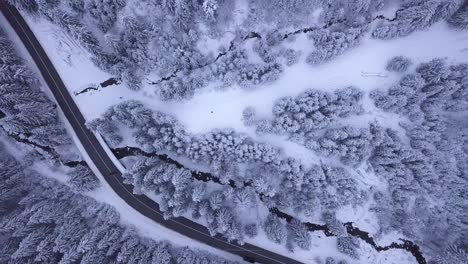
[(31, 117), (42, 220)]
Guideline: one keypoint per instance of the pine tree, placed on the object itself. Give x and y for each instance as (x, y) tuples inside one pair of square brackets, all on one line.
[(251, 230), (77, 5), (216, 200), (274, 229), (224, 219), (299, 234), (198, 192), (210, 7), (82, 179), (398, 64), (28, 245), (349, 246), (414, 16), (244, 197), (104, 13), (30, 6), (460, 18), (162, 255)]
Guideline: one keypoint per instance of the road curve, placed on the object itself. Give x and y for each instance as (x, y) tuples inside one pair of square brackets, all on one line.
[(112, 175)]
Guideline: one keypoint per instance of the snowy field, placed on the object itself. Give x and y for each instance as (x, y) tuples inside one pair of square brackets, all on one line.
[(362, 67)]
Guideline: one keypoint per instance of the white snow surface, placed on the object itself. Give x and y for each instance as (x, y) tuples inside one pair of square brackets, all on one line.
[(128, 216), (362, 67), (212, 108), (132, 218), (215, 109)]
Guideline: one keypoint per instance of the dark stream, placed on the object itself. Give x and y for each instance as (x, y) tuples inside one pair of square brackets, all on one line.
[(75, 163), (104, 84), (51, 151), (206, 177), (47, 149), (198, 175), (221, 54), (351, 230), (232, 44)]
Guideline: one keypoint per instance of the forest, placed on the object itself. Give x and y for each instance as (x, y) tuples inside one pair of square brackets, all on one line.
[(395, 150), (43, 220), (436, 153)]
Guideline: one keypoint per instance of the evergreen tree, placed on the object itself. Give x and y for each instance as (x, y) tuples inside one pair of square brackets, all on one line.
[(210, 7), (398, 64), (251, 230), (299, 235), (460, 18), (329, 44), (351, 144), (82, 179), (348, 245), (416, 15), (274, 229), (104, 13), (30, 6), (46, 222)]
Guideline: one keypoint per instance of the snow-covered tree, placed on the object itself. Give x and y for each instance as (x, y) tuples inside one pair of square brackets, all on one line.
[(280, 14), (224, 218), (244, 197), (216, 200), (27, 114), (329, 44), (274, 229), (416, 15), (313, 110), (251, 230), (106, 128), (452, 255), (348, 245), (210, 7), (298, 234), (76, 29), (333, 224), (30, 6), (248, 116), (104, 12), (198, 192), (50, 226), (398, 64), (460, 18), (77, 5), (82, 179), (350, 144)]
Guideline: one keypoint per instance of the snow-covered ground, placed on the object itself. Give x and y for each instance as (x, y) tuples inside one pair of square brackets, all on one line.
[(132, 218), (214, 109), (129, 217), (211, 108), (322, 247), (363, 67)]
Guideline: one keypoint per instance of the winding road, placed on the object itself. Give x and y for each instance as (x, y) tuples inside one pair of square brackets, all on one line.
[(107, 168)]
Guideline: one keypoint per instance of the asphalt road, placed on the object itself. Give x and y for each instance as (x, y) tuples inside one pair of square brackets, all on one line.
[(112, 175)]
